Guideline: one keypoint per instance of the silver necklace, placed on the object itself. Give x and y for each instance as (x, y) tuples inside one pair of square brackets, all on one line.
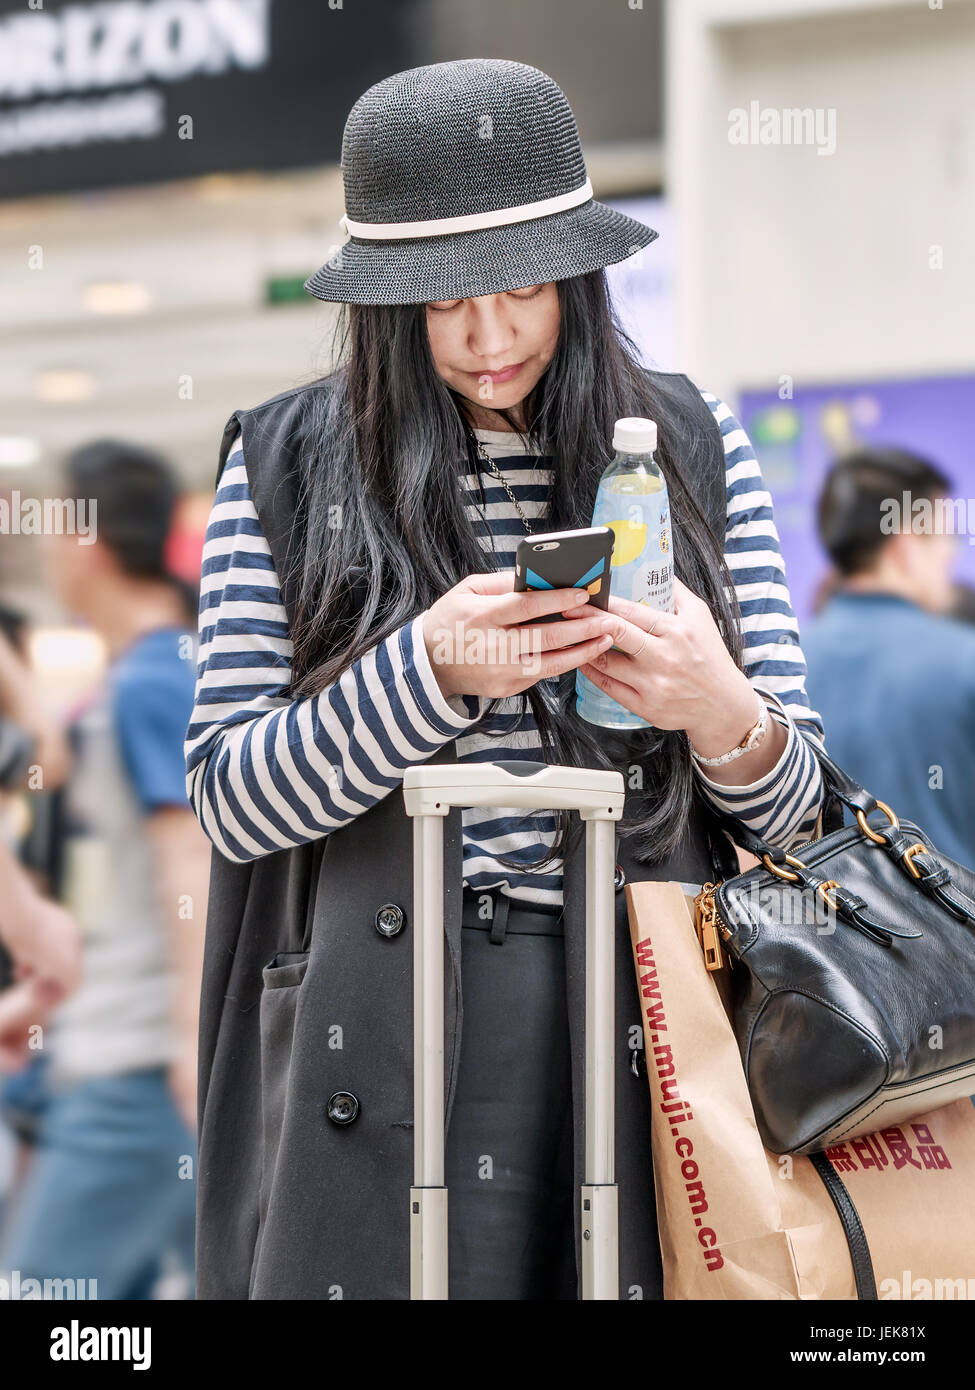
[(504, 483)]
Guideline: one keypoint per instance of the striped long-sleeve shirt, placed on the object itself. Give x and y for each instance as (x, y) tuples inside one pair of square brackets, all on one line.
[(266, 772)]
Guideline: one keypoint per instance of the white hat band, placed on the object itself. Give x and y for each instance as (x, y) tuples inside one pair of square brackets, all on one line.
[(471, 222)]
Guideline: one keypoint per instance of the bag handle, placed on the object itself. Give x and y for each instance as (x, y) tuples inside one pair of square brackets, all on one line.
[(841, 790), (918, 861)]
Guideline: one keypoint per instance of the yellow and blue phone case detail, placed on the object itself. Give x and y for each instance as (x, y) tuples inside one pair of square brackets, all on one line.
[(567, 560), (591, 580)]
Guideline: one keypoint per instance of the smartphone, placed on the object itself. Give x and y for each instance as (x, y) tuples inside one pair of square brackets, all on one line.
[(566, 560)]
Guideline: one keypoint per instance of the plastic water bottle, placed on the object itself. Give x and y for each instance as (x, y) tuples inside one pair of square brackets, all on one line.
[(632, 500)]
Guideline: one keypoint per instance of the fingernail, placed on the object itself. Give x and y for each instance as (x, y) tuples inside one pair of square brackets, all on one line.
[(581, 596), (607, 625)]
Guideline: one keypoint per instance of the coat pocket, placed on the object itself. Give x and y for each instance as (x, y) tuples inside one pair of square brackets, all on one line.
[(279, 1002)]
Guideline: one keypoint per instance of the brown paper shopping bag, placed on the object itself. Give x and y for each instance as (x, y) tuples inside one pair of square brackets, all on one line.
[(739, 1222), (912, 1187)]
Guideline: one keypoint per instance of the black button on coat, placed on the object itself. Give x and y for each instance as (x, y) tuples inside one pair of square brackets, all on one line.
[(390, 919), (291, 1204)]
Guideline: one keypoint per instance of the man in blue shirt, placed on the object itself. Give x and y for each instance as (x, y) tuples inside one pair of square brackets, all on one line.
[(892, 675)]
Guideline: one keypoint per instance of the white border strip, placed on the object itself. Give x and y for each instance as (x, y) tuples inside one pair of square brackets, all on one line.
[(471, 222)]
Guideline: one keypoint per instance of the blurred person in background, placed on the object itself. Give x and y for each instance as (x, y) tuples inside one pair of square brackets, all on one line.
[(892, 673), (39, 947), (110, 1195), (40, 950), (41, 940), (22, 706), (825, 589), (963, 607), (36, 802)]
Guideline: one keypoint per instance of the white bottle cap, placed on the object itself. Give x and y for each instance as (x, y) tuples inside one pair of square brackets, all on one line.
[(635, 435)]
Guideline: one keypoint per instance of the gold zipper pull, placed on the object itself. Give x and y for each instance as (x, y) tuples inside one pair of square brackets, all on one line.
[(707, 927), (707, 891)]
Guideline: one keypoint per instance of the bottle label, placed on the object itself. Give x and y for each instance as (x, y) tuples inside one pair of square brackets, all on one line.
[(643, 568), (654, 586)]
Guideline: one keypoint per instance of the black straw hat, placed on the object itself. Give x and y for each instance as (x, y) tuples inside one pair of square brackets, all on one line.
[(463, 179)]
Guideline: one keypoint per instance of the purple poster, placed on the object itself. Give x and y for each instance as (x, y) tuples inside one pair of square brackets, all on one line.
[(796, 440)]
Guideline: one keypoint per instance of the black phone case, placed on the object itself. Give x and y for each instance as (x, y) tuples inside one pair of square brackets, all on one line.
[(578, 562)]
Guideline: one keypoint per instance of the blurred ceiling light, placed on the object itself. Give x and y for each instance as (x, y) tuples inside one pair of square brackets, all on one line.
[(66, 650), (18, 451), (116, 297), (219, 188), (64, 384)]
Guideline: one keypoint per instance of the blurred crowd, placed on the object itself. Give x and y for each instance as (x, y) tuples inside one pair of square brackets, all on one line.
[(105, 875), (105, 868)]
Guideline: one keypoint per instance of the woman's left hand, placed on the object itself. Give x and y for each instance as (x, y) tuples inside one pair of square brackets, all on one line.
[(674, 670)]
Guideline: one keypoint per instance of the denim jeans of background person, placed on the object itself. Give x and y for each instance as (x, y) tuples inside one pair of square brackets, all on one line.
[(893, 677), (102, 1200), (109, 1195)]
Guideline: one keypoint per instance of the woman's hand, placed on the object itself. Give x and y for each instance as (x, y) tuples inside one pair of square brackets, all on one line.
[(46, 945), (476, 646), (674, 670)]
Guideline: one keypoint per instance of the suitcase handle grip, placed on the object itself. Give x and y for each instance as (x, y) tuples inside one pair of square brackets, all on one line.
[(520, 769), (433, 789)]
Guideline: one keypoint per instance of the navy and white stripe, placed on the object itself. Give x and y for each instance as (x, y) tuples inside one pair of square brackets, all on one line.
[(782, 806), (265, 772)]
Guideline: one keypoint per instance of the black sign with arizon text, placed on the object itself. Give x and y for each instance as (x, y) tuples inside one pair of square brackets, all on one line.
[(102, 93)]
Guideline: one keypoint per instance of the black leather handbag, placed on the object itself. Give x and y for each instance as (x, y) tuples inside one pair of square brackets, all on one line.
[(852, 971)]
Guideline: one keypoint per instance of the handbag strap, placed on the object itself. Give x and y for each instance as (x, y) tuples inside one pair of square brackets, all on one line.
[(840, 790), (852, 1227), (918, 862)]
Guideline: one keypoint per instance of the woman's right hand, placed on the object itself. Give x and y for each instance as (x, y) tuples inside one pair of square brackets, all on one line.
[(476, 646)]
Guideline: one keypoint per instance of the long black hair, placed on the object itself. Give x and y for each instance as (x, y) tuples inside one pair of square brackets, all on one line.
[(384, 531)]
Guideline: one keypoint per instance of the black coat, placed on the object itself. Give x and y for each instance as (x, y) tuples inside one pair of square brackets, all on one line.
[(292, 1204)]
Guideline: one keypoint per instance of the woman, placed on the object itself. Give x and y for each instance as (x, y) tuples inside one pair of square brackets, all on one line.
[(358, 561)]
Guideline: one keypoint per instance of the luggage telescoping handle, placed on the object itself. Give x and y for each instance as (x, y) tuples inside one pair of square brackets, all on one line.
[(430, 792)]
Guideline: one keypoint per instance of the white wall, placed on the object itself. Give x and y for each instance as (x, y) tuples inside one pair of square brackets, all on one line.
[(818, 266)]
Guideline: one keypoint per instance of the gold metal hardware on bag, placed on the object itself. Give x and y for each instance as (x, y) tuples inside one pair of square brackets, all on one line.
[(823, 890), (908, 856), (709, 928), (707, 891), (872, 834), (784, 873)]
